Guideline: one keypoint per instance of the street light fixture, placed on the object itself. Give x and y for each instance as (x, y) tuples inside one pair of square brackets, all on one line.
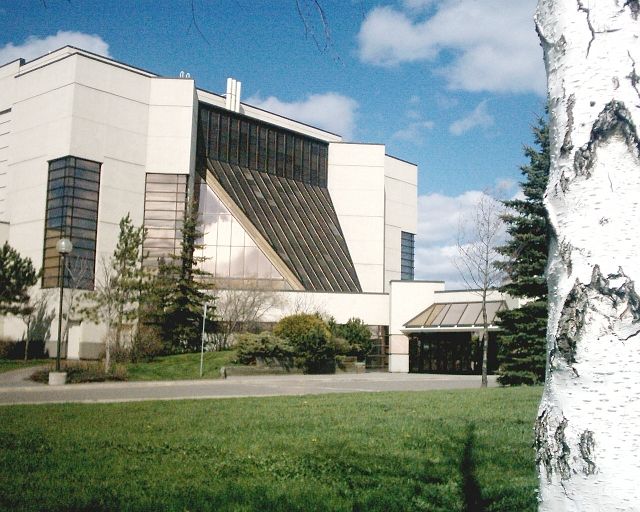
[(204, 321), (64, 247)]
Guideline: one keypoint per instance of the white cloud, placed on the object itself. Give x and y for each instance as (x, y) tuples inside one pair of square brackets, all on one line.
[(414, 132), (418, 5), (439, 219), (330, 111), (479, 117), (34, 46), (493, 42)]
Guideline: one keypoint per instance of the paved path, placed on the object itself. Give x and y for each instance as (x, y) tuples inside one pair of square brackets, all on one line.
[(19, 377), (233, 387)]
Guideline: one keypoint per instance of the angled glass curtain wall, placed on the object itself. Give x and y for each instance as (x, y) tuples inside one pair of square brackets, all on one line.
[(238, 140), (72, 212), (228, 251), (407, 256)]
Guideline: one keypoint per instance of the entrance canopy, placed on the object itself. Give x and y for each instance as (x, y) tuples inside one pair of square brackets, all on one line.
[(454, 316)]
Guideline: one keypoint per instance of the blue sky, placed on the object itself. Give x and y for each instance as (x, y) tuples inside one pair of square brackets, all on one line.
[(451, 85)]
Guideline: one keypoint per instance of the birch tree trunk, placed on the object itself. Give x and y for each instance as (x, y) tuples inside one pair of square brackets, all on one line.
[(588, 426)]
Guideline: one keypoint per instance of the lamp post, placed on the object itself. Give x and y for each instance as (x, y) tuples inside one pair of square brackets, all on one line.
[(204, 321), (64, 247)]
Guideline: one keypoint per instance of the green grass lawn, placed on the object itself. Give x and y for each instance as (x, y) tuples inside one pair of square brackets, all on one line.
[(182, 366), (6, 365), (427, 451)]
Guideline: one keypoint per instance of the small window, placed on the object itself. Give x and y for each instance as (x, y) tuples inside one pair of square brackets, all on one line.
[(407, 255)]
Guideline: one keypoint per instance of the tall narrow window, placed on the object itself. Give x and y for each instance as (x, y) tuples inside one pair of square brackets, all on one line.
[(165, 200), (407, 249), (72, 212)]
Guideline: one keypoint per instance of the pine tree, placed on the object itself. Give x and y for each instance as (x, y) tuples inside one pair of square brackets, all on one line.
[(522, 339), (118, 292), (179, 291), (17, 274)]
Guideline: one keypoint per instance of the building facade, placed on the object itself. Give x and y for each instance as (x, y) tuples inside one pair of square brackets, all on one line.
[(327, 225)]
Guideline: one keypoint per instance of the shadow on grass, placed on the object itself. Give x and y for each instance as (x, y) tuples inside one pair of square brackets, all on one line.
[(471, 492)]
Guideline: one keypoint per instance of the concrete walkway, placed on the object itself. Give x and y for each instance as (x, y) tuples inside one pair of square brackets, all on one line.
[(32, 393), (19, 377)]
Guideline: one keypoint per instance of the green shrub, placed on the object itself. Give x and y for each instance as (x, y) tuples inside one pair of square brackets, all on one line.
[(78, 372), (315, 351), (293, 327), (357, 337), (147, 344), (314, 347), (7, 349), (271, 349)]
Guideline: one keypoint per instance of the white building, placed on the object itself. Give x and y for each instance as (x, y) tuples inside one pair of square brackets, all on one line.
[(84, 140)]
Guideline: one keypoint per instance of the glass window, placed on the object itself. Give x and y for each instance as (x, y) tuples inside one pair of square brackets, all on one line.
[(234, 140), (272, 152), (72, 212), (243, 150), (164, 206), (237, 139), (223, 153), (407, 255)]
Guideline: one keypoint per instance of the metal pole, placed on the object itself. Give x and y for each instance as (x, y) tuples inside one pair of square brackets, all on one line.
[(204, 319), (60, 313)]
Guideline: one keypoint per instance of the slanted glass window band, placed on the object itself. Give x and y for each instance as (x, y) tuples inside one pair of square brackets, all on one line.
[(72, 212), (236, 139), (407, 252)]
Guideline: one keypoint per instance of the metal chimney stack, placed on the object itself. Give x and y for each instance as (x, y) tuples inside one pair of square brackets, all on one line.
[(232, 99)]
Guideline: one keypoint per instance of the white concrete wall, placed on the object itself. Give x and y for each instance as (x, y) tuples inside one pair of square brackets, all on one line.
[(130, 121), (407, 299), (466, 296), (356, 181), (371, 308), (401, 212)]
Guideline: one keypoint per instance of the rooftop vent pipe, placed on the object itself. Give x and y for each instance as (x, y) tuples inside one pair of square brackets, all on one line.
[(232, 100)]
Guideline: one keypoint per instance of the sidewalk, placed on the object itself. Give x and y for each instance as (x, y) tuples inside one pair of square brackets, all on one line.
[(21, 392), (19, 377)]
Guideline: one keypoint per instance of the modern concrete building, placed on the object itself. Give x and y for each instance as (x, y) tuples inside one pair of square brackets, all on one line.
[(329, 224)]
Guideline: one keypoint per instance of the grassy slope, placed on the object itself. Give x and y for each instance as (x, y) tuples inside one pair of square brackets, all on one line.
[(182, 366), (374, 452)]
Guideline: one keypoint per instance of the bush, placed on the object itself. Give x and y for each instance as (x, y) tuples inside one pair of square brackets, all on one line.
[(78, 372), (147, 344), (252, 348), (357, 337), (7, 349), (315, 351), (293, 327)]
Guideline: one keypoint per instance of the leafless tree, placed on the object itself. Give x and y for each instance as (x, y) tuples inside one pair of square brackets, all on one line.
[(478, 240), (239, 310), (78, 271)]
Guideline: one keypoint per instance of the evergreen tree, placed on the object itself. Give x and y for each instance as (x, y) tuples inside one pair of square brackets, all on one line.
[(17, 274), (117, 296), (179, 291), (522, 339)]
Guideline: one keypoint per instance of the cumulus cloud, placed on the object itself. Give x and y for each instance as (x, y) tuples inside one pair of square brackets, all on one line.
[(478, 118), (493, 42), (439, 220), (330, 111), (34, 47)]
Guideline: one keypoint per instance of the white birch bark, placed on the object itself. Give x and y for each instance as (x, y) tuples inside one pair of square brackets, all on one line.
[(588, 426)]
